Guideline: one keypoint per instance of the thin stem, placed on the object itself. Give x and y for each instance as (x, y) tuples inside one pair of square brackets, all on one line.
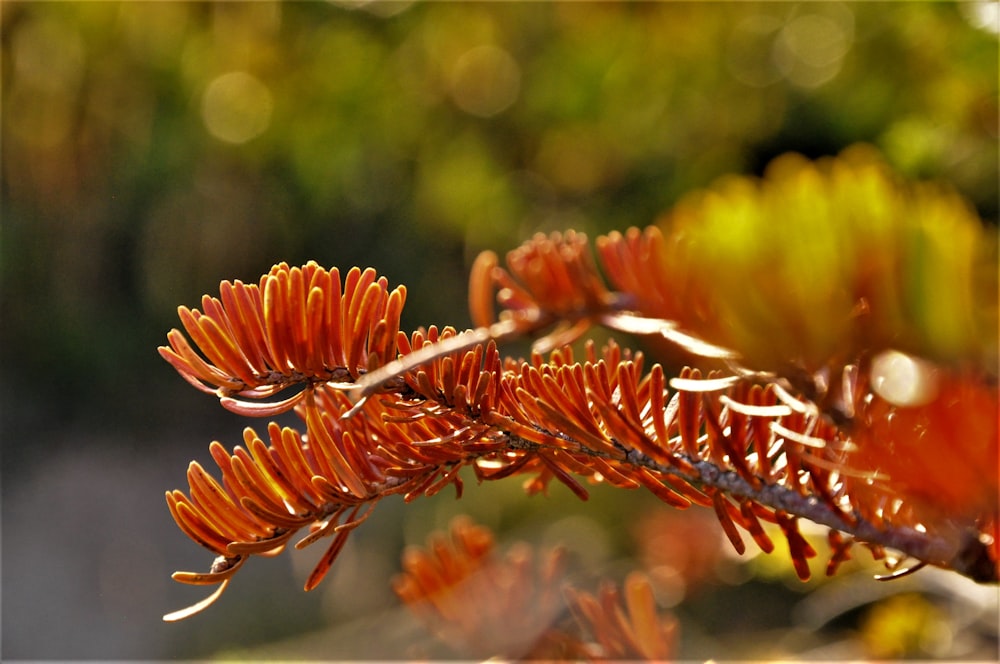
[(964, 557)]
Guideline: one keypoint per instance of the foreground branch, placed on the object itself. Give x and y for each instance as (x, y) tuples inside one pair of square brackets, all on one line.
[(796, 404)]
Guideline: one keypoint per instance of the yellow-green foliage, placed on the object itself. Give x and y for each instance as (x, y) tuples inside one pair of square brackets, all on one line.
[(816, 239)]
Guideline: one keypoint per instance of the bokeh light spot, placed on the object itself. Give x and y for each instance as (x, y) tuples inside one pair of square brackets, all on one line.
[(485, 81), (236, 107), (816, 40), (811, 47), (983, 14), (903, 380)]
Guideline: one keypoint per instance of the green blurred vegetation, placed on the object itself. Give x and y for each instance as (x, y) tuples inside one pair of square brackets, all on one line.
[(150, 150)]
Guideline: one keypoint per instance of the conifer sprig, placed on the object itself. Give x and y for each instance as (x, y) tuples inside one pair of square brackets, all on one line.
[(382, 413), (484, 603)]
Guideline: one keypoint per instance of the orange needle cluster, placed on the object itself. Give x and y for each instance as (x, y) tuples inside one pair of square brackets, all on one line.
[(484, 604), (830, 439)]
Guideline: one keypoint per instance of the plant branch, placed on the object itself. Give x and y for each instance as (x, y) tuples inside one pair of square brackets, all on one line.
[(964, 557)]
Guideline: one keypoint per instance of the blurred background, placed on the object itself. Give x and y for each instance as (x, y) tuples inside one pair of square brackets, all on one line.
[(150, 150)]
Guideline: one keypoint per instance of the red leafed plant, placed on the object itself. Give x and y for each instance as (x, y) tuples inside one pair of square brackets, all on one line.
[(837, 327)]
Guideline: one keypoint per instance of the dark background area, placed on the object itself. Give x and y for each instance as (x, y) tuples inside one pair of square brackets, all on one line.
[(150, 150)]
